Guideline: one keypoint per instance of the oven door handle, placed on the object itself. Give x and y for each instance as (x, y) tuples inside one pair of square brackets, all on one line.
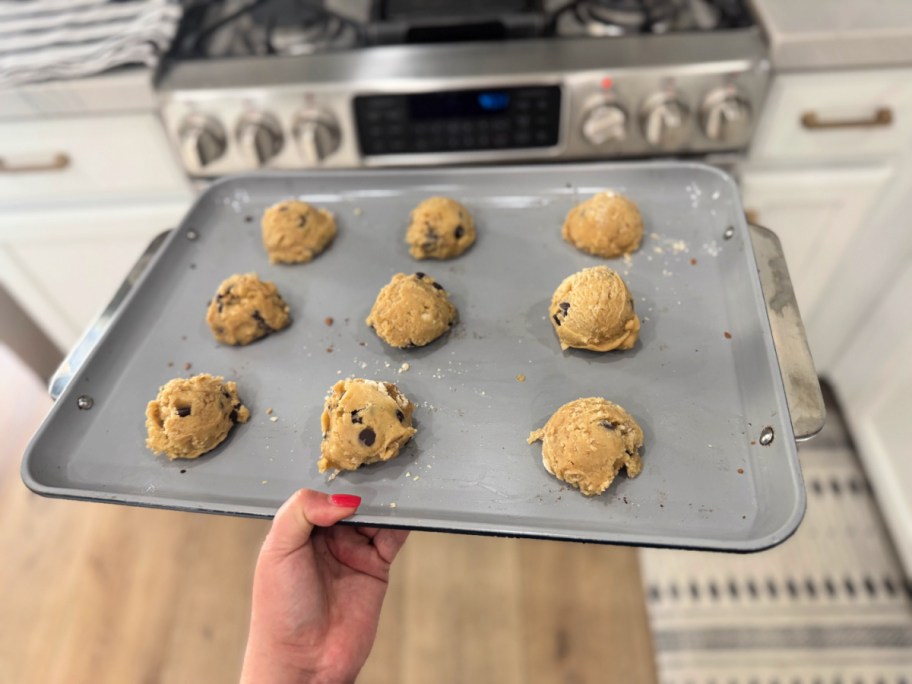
[(802, 386), (78, 354)]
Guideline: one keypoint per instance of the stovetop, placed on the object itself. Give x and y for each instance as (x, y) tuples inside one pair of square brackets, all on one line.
[(289, 84), (250, 28)]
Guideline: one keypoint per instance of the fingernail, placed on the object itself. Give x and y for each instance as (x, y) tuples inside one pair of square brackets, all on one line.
[(345, 500)]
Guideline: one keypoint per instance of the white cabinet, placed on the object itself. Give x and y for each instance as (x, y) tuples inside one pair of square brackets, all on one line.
[(823, 164), (874, 382), (64, 265), (71, 230), (103, 157), (873, 108), (840, 197), (815, 212)]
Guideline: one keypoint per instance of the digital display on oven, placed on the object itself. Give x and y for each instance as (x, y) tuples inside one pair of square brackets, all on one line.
[(459, 104), (458, 120)]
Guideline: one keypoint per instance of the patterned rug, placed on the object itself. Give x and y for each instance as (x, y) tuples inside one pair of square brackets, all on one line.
[(829, 606)]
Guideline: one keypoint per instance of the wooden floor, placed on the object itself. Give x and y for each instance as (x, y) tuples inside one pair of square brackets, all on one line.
[(97, 593)]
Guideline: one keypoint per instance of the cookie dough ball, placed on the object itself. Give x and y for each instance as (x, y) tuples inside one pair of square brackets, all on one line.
[(593, 309), (245, 309), (412, 311), (440, 228), (364, 421), (606, 225), (295, 232), (191, 416), (586, 442)]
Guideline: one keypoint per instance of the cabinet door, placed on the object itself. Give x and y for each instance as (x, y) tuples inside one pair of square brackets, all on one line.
[(63, 267), (823, 116), (873, 378), (87, 161), (815, 212)]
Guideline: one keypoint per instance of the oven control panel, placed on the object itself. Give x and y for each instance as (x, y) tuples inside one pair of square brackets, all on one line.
[(520, 101), (458, 120)]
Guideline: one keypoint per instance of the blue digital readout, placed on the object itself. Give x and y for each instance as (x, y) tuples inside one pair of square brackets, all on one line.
[(494, 101)]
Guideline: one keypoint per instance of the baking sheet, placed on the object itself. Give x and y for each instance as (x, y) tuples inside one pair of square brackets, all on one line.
[(703, 380)]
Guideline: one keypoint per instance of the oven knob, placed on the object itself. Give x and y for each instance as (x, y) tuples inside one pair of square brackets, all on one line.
[(605, 123), (202, 141), (317, 135), (664, 121), (726, 116), (260, 137)]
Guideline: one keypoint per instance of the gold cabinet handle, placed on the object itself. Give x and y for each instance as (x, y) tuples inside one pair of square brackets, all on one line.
[(59, 162), (882, 117)]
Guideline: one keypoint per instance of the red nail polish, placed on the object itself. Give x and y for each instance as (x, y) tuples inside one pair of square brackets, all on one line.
[(345, 500)]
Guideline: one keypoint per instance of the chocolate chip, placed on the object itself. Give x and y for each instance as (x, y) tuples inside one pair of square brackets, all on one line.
[(264, 326), (608, 425), (438, 286), (183, 411), (367, 436), (556, 319), (400, 415), (302, 220), (226, 394), (565, 307), (358, 420), (233, 416), (459, 232), (419, 275)]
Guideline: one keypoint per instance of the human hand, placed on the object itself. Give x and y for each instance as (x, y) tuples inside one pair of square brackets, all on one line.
[(317, 592)]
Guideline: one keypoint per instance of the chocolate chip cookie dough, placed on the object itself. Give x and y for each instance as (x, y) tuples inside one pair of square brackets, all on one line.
[(593, 309), (606, 225), (439, 228), (587, 441), (364, 421), (191, 416), (412, 311), (295, 232), (245, 309)]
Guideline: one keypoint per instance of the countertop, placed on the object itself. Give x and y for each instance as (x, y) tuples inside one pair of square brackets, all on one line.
[(836, 34), (127, 89)]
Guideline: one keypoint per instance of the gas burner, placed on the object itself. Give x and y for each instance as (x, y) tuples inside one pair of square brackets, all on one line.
[(611, 18), (621, 17), (262, 28), (316, 33)]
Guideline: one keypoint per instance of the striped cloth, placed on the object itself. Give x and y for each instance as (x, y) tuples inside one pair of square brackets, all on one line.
[(52, 39)]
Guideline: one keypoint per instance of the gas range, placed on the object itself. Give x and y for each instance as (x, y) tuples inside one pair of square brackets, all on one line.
[(280, 84)]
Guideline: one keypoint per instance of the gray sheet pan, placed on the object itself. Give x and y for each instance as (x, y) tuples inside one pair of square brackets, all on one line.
[(702, 397)]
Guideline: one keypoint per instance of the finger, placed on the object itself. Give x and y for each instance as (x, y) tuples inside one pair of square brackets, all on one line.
[(388, 543), (295, 520), (355, 551), (369, 532)]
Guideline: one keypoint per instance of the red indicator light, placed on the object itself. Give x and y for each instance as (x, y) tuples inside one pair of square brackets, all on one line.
[(607, 82)]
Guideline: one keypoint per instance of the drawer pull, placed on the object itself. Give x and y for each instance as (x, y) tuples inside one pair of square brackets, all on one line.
[(59, 162), (882, 117)]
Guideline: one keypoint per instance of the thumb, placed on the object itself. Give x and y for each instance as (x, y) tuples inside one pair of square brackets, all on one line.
[(305, 509)]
